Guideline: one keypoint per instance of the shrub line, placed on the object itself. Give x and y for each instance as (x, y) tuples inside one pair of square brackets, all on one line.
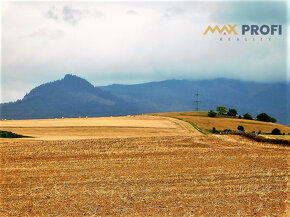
[(260, 138)]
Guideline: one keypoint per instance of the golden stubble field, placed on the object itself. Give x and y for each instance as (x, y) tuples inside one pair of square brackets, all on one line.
[(220, 123), (103, 127), (182, 173)]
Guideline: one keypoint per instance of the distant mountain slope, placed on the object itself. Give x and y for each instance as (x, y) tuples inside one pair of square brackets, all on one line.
[(69, 97), (178, 95), (73, 96)]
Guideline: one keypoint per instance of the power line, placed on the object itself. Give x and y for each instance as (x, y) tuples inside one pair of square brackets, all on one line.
[(197, 100)]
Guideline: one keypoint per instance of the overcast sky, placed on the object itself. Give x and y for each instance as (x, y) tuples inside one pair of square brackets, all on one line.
[(136, 42)]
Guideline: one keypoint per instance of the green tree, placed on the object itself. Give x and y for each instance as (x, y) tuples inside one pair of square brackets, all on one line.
[(211, 114), (273, 120), (241, 128), (263, 117), (276, 131), (248, 116), (232, 112), (222, 110)]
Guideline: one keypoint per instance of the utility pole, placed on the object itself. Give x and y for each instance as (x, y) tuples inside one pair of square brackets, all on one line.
[(196, 100)]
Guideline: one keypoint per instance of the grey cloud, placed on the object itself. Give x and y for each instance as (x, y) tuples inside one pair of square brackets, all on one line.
[(140, 53), (251, 12), (72, 15), (173, 11), (52, 14)]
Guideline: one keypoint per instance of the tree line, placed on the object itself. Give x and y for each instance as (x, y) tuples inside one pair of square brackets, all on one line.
[(232, 112)]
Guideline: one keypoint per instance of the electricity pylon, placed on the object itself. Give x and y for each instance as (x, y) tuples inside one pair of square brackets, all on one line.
[(197, 100)]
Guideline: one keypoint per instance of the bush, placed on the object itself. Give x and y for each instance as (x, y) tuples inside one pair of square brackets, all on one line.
[(222, 110), (232, 112), (213, 130), (212, 114), (240, 117), (241, 128), (263, 117), (276, 131), (227, 130), (248, 116)]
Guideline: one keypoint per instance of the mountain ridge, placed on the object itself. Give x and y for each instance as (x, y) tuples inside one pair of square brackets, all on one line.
[(73, 96)]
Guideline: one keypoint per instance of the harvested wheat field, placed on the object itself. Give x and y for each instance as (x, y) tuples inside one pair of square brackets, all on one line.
[(104, 127), (220, 123), (183, 173)]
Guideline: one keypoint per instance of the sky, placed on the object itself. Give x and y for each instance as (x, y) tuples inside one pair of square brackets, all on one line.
[(137, 42)]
